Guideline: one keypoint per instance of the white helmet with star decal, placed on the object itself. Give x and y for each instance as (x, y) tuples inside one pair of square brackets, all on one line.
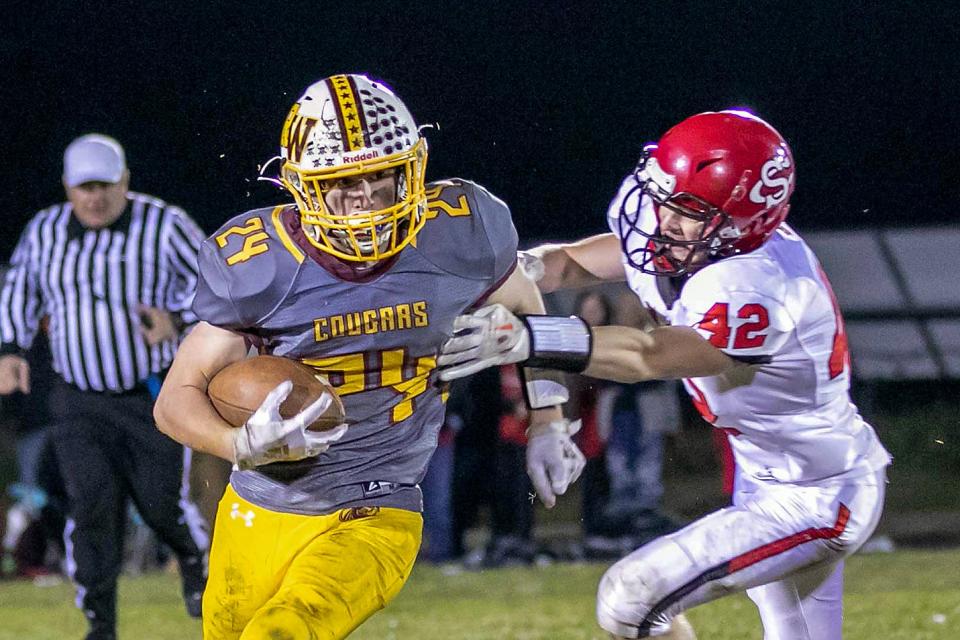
[(351, 132)]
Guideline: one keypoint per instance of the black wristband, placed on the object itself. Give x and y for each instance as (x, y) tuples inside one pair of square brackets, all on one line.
[(558, 342)]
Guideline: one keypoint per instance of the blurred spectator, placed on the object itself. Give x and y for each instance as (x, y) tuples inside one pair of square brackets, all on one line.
[(511, 507), (494, 425), (48, 545), (635, 418), (596, 310), (439, 542), (622, 437), (32, 541), (438, 545)]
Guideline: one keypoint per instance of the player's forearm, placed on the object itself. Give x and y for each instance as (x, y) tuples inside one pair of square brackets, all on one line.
[(560, 270), (183, 410), (625, 354), (578, 264), (185, 414)]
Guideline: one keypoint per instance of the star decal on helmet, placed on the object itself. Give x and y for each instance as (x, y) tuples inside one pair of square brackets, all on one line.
[(358, 133)]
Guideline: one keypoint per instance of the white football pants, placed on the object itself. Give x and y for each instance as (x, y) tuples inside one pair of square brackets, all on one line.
[(783, 544)]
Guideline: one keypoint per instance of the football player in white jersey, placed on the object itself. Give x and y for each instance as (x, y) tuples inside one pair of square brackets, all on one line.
[(750, 323)]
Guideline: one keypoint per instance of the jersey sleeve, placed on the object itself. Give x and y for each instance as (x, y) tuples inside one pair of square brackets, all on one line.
[(737, 307), (20, 297), (184, 238), (237, 268), (500, 232), (469, 232)]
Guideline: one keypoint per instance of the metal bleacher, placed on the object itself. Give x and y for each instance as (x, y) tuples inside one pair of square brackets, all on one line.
[(899, 290)]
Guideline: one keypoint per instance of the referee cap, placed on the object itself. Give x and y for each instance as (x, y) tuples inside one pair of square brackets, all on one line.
[(93, 158)]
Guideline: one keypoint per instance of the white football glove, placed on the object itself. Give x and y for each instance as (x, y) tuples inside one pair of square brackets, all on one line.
[(266, 437), (488, 337), (554, 462)]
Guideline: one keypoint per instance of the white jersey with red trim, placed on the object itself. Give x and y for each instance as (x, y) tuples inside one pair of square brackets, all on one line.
[(789, 411)]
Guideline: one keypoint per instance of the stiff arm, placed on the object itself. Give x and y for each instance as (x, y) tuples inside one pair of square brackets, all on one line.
[(620, 353)]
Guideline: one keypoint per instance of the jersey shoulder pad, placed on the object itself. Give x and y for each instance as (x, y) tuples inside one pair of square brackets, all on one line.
[(737, 304), (245, 269), (469, 231)]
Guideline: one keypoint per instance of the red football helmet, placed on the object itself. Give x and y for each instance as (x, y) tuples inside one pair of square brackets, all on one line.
[(728, 169)]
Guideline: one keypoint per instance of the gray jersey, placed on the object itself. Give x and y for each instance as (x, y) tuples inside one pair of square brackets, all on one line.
[(374, 334)]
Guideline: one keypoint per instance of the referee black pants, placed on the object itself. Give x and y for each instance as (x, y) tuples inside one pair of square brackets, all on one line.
[(109, 450)]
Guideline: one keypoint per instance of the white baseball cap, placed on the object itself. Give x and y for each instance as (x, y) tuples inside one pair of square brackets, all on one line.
[(93, 158)]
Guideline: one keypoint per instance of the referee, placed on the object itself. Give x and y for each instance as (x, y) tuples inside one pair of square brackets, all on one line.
[(115, 272)]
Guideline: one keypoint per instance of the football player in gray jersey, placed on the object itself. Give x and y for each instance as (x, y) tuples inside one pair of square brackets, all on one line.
[(362, 279)]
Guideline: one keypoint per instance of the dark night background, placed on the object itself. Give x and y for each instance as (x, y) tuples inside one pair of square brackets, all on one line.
[(545, 103)]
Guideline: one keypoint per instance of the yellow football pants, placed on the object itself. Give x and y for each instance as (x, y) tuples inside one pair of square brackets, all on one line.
[(282, 575)]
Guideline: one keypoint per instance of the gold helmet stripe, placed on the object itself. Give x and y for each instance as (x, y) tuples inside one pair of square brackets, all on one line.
[(361, 115), (285, 134), (349, 112)]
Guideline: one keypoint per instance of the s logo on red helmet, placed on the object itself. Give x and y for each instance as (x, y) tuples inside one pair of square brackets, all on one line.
[(775, 176)]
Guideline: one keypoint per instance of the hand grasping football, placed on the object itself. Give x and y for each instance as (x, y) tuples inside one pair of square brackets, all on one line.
[(238, 390)]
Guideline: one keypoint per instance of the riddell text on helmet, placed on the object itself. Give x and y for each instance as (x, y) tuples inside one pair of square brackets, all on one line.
[(364, 155)]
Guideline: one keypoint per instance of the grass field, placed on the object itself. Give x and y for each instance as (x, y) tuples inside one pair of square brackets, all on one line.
[(911, 595)]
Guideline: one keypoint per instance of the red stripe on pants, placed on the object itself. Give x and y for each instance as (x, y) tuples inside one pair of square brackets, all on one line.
[(784, 544)]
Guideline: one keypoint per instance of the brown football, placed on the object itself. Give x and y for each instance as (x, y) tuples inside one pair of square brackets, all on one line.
[(239, 389)]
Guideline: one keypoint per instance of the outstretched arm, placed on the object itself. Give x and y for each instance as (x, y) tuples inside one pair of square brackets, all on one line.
[(579, 264), (493, 336), (625, 354)]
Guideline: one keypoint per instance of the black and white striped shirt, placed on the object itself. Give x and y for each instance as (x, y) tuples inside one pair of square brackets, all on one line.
[(90, 282)]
